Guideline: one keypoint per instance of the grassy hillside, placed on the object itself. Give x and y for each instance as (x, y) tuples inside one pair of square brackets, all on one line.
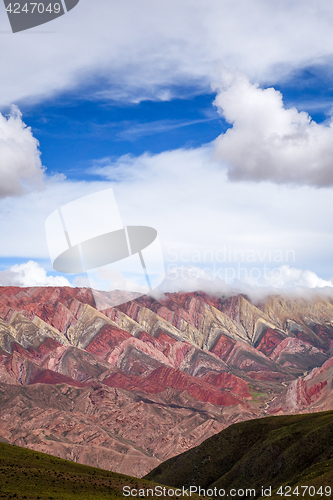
[(286, 450), (292, 450), (26, 474)]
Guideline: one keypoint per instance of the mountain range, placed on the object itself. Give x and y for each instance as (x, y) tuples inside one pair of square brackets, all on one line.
[(129, 387)]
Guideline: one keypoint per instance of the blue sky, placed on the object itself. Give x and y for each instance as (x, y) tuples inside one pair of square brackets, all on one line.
[(99, 129), (211, 121)]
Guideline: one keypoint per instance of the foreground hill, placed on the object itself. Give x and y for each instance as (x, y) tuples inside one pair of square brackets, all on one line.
[(25, 474), (131, 386), (295, 450)]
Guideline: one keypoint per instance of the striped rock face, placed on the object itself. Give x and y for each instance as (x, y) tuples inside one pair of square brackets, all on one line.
[(130, 386)]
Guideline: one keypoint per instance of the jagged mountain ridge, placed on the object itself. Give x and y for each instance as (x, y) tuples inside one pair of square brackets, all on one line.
[(195, 363)]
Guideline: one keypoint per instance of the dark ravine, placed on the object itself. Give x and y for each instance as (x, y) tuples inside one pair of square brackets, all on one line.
[(130, 387)]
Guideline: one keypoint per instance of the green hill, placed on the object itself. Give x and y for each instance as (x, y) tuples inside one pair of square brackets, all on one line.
[(294, 450), (27, 474)]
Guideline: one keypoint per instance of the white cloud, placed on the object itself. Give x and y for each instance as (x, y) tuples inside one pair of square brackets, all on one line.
[(189, 279), (268, 141), (143, 49), (283, 280), (30, 274), (197, 212), (186, 196), (20, 164), (286, 277)]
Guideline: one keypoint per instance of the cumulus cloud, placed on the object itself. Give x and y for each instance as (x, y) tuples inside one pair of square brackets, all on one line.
[(268, 141), (284, 277), (286, 281), (20, 164), (30, 274)]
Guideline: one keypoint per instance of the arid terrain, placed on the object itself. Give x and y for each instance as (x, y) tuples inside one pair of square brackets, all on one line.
[(129, 387)]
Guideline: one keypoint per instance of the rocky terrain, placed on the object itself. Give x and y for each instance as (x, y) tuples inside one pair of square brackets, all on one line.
[(129, 387)]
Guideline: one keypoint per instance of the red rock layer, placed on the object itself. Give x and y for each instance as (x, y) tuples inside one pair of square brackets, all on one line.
[(309, 393), (57, 306), (229, 381), (163, 378), (223, 347), (106, 340), (269, 341)]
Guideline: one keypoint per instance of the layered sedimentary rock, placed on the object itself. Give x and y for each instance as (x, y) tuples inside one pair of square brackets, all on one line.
[(312, 392), (132, 385)]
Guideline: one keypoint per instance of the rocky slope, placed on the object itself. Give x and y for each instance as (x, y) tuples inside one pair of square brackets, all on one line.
[(131, 386)]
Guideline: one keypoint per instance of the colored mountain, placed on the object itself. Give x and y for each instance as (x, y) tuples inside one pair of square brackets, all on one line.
[(131, 386)]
